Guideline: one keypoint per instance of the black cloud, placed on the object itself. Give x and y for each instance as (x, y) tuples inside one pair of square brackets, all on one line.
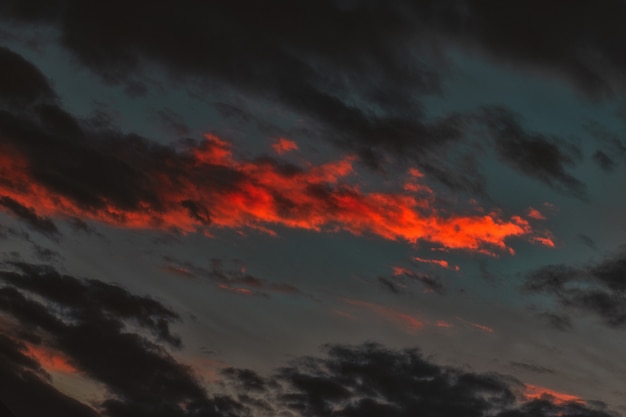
[(598, 288), (534, 154), (229, 276), (357, 74), (87, 321), (371, 380), (20, 81), (41, 224)]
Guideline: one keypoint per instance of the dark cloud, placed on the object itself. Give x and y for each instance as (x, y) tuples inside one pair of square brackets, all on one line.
[(542, 157), (29, 216), (5, 412), (357, 37), (369, 106), (587, 241), (403, 277), (389, 284), (230, 276), (532, 367), (371, 380), (26, 388), (20, 81), (598, 288), (87, 322), (603, 160), (357, 75)]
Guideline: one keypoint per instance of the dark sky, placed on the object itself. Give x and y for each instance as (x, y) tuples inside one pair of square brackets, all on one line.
[(328, 208)]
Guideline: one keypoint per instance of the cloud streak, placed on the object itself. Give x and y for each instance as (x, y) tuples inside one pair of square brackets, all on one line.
[(204, 186)]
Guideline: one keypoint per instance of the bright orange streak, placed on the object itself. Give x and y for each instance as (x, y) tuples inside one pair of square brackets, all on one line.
[(533, 392), (263, 195), (545, 241), (282, 146), (236, 290), (442, 263), (408, 322), (442, 323), (243, 291), (50, 360)]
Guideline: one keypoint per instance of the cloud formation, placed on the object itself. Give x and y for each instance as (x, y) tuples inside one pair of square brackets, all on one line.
[(371, 380), (598, 288), (542, 157), (61, 323), (67, 167), (58, 323)]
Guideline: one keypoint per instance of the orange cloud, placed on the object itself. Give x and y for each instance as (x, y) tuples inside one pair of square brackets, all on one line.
[(282, 146), (535, 214), (49, 360), (204, 186), (439, 262), (178, 270), (406, 321), (533, 392), (236, 290)]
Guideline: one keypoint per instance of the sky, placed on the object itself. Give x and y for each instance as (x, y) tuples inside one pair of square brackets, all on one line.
[(303, 209)]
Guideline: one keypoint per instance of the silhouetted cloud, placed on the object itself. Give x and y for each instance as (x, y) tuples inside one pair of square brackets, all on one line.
[(371, 380), (542, 157), (29, 216), (86, 321), (532, 367), (603, 160), (230, 276), (78, 169), (21, 82), (382, 55), (598, 288)]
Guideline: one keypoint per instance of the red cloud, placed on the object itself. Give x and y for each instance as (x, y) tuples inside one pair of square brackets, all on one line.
[(440, 262), (282, 146), (533, 213), (49, 360), (205, 186), (533, 392)]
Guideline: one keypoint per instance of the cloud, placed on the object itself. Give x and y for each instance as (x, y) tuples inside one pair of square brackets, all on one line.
[(371, 380), (69, 168), (20, 81), (534, 154), (231, 277), (26, 386), (603, 160), (401, 276), (283, 145), (82, 326), (358, 78), (597, 288), (532, 367), (29, 216), (58, 323)]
